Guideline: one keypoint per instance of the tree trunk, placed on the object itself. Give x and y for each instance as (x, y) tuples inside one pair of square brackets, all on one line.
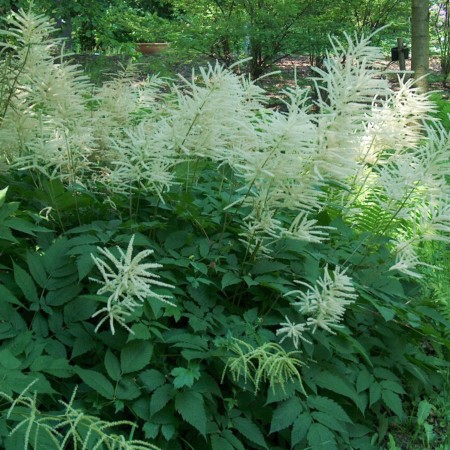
[(420, 41), (64, 24)]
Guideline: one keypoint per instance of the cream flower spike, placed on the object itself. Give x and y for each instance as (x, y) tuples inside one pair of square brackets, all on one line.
[(128, 283)]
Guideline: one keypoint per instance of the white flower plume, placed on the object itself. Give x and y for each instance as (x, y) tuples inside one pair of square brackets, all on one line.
[(325, 302), (293, 331), (128, 283)]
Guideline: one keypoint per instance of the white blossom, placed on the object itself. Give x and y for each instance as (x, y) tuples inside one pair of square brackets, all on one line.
[(128, 283), (325, 302), (293, 331)]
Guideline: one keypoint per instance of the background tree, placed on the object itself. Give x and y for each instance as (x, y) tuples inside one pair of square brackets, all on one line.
[(440, 37), (420, 41)]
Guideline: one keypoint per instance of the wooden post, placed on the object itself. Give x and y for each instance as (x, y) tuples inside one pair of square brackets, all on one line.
[(401, 54)]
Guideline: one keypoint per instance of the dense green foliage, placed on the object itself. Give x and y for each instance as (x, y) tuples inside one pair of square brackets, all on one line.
[(122, 200)]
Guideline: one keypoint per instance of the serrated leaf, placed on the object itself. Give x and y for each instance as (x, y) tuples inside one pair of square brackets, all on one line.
[(151, 430), (96, 381), (112, 366), (185, 376), (374, 393), (219, 443), (203, 248), (58, 367), (285, 414), (16, 223), (152, 379), (233, 440), (82, 345), (8, 360), (7, 296), (267, 266), (127, 389), (336, 384), (329, 421), (423, 411), (191, 407), (328, 406), (85, 264), (168, 431), (25, 283), (63, 295), (300, 428), (37, 269), (321, 438), (230, 279), (392, 386), (135, 355), (277, 393), (393, 402), (381, 372), (364, 380), (249, 430), (5, 234), (160, 398)]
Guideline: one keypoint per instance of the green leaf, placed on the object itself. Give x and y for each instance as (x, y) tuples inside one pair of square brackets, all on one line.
[(393, 402), (300, 428), (328, 406), (59, 367), (85, 264), (268, 266), (127, 389), (219, 443), (96, 381), (185, 376), (233, 440), (392, 386), (5, 234), (8, 360), (152, 379), (381, 372), (3, 196), (336, 384), (387, 313), (37, 269), (63, 295), (176, 240), (151, 430), (423, 411), (25, 283), (135, 355), (112, 366), (203, 248), (321, 438), (249, 430), (329, 421), (168, 431), (7, 296), (23, 226), (160, 398), (374, 393), (82, 345), (191, 407), (285, 414), (364, 380), (230, 279)]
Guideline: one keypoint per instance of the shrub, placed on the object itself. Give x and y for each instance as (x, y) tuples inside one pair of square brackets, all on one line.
[(260, 271)]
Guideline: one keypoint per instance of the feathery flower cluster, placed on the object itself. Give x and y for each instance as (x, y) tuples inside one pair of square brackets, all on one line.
[(324, 304), (45, 126), (128, 283)]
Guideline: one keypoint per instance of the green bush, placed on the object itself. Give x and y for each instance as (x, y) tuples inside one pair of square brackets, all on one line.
[(183, 261)]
